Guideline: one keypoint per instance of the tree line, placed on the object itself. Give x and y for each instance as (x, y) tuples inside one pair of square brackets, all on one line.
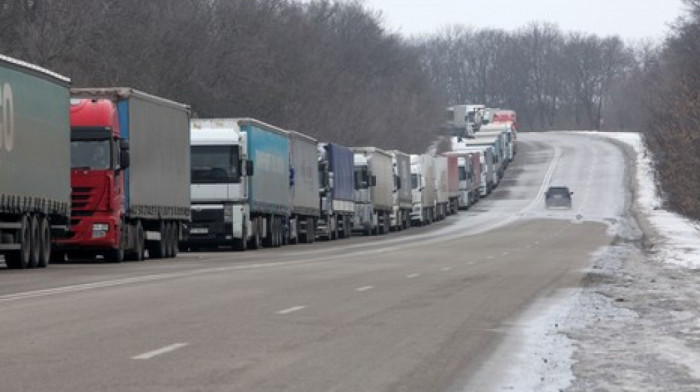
[(326, 68), (554, 80), (668, 90)]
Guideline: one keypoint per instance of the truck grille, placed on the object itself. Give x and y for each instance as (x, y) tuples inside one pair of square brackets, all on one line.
[(207, 215), (80, 196)]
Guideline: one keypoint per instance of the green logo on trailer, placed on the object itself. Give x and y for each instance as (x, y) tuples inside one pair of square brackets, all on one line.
[(7, 118)]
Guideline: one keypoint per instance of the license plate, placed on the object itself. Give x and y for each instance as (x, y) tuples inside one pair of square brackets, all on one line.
[(199, 230)]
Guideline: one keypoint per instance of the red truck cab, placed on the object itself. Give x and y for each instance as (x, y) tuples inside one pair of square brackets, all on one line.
[(98, 160)]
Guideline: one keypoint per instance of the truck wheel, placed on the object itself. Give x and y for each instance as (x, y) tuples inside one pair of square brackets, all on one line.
[(254, 242), (241, 244), (274, 235), (45, 243), (267, 240), (114, 255), (176, 238), (19, 259), (138, 253), (310, 231), (35, 243), (169, 240)]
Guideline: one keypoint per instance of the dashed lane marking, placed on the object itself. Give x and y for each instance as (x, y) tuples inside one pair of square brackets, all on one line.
[(291, 310), (160, 351)]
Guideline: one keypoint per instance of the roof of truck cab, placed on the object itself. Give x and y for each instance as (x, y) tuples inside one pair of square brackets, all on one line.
[(115, 93), (35, 69), (214, 131)]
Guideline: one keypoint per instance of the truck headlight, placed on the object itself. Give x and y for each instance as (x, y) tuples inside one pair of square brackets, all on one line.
[(228, 214), (99, 230)]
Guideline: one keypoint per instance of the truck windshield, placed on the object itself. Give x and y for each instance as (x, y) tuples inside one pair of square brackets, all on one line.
[(361, 178), (90, 154), (414, 181), (215, 165)]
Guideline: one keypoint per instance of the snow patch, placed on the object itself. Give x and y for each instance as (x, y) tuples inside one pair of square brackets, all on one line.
[(679, 236)]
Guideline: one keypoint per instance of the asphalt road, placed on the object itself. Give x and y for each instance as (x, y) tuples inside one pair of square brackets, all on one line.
[(414, 311)]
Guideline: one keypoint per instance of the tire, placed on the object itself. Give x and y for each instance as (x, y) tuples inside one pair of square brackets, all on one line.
[(114, 255), (19, 259), (176, 238), (268, 240), (35, 242), (241, 244), (310, 231), (139, 247), (44, 243), (170, 241), (276, 232), (254, 242)]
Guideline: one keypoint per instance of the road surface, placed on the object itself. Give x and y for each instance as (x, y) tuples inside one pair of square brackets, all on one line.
[(415, 311)]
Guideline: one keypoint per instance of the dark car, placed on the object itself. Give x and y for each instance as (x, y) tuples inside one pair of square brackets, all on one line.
[(558, 196)]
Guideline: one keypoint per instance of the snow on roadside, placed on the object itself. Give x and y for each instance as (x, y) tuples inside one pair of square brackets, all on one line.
[(679, 236)]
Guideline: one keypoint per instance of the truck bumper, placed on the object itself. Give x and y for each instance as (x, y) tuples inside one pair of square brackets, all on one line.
[(82, 234)]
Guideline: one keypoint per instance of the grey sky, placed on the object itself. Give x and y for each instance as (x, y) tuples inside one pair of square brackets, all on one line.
[(630, 19)]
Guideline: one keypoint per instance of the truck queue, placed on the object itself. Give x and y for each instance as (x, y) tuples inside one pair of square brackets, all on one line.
[(119, 174)]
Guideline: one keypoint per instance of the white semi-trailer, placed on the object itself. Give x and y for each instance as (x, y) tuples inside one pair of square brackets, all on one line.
[(374, 186), (35, 187)]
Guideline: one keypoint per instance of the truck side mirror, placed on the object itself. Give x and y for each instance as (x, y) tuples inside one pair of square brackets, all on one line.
[(331, 181), (124, 159), (398, 182), (249, 168), (373, 181), (124, 156)]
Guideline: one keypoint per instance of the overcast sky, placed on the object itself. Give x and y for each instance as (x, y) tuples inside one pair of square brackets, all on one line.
[(630, 19)]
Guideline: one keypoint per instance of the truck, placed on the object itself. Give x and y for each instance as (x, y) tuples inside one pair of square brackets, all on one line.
[(424, 191), (241, 189), (130, 174), (487, 161), (497, 142), (374, 185), (403, 197), (35, 162), (476, 167), (452, 183), (475, 117), (304, 182), (456, 122), (511, 136), (507, 138), (442, 187), (461, 173), (336, 190)]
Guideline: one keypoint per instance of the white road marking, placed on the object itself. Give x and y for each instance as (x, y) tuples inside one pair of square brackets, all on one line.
[(446, 269), (291, 310), (160, 351), (411, 276), (506, 253), (364, 288), (471, 262)]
